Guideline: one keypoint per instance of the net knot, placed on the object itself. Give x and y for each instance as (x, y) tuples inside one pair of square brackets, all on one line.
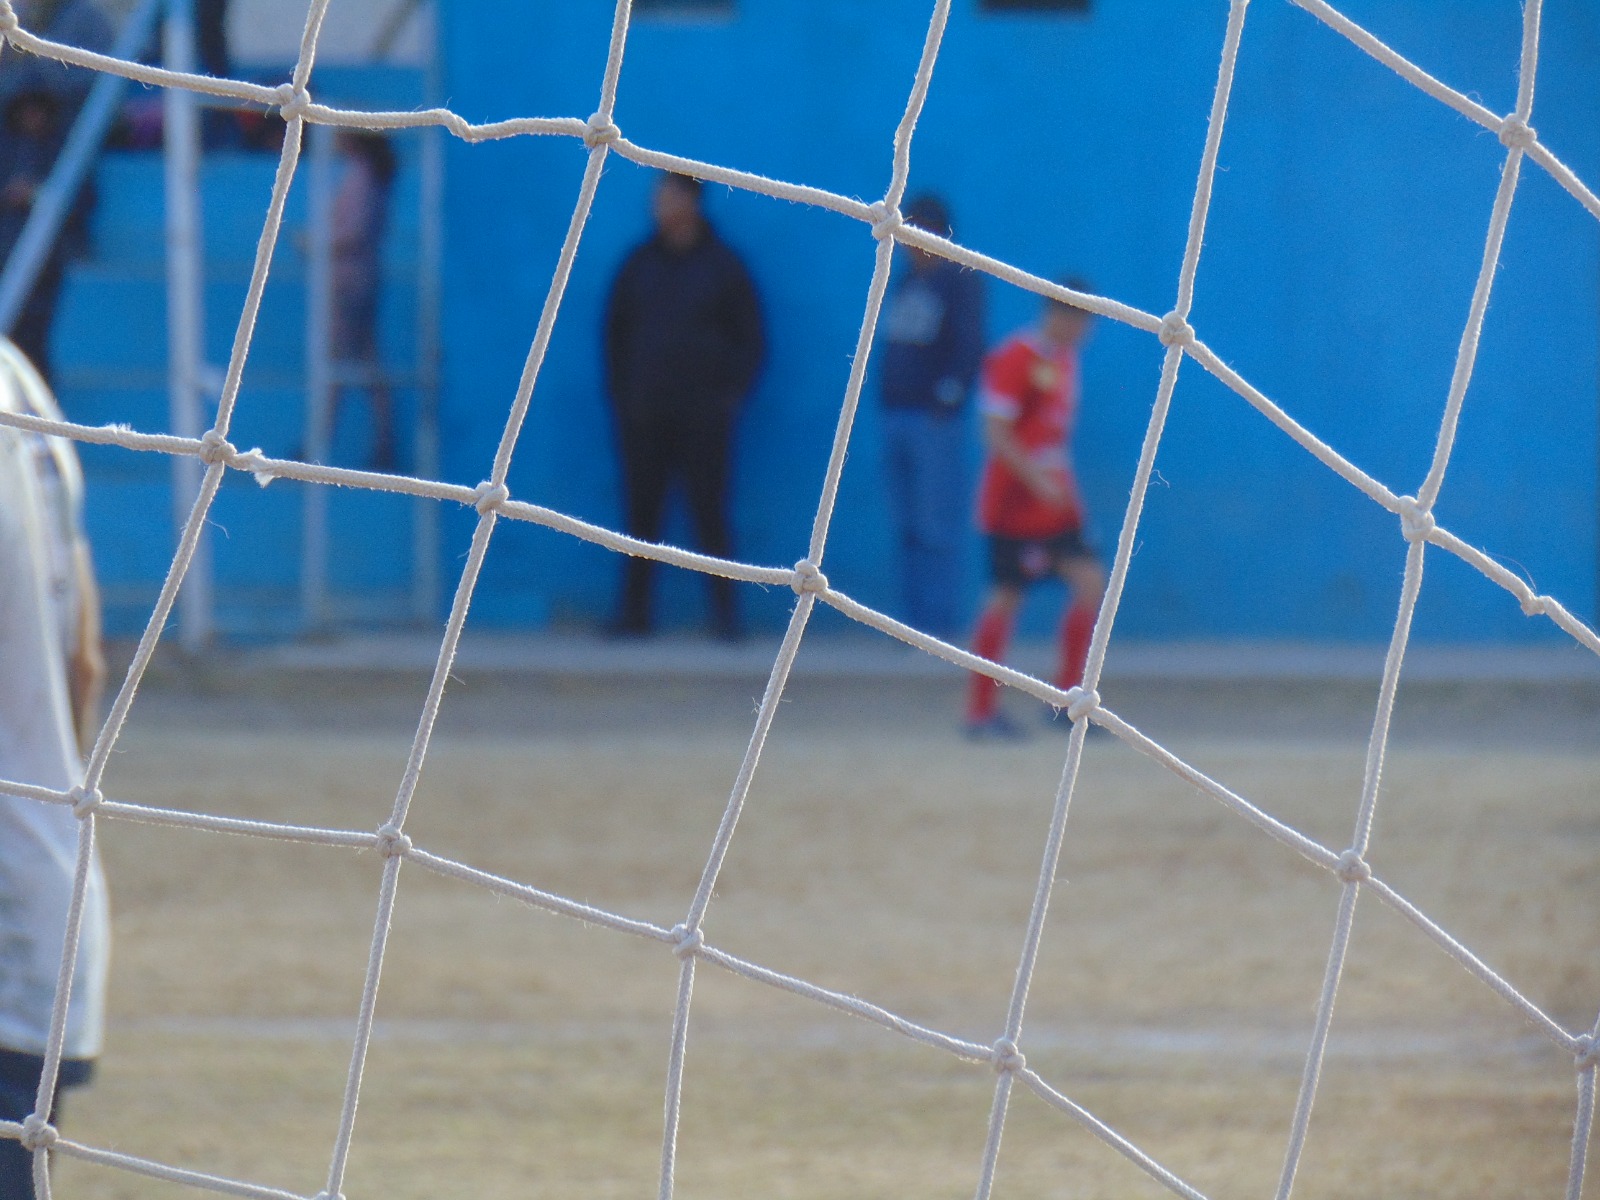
[(1175, 330), (686, 941), (392, 842), (292, 101), (8, 19), (1587, 1055), (808, 577), (1007, 1059), (1416, 522), (214, 449), (84, 800), (599, 131), (1516, 134), (489, 496), (1081, 703), (1535, 605), (37, 1133), (885, 220), (1352, 868)]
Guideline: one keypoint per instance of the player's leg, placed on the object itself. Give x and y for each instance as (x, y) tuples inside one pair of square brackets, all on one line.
[(706, 470), (995, 622), (646, 466), (929, 498), (1086, 581), (943, 504), (900, 476), (372, 378)]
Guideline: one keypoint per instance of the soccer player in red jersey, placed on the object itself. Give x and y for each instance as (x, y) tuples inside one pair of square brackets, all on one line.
[(1028, 502)]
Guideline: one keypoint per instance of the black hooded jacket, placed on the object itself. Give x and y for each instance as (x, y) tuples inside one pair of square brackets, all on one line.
[(682, 330)]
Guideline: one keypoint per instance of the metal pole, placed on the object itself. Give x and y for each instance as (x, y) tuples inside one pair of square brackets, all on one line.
[(430, 257), (185, 311), (319, 377)]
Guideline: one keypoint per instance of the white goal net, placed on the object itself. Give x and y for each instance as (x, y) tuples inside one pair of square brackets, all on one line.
[(1173, 338)]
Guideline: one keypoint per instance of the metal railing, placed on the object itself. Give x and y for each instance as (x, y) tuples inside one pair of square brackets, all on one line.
[(422, 374), (189, 379)]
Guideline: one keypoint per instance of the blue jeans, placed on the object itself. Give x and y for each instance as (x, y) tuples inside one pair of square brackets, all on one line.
[(930, 501)]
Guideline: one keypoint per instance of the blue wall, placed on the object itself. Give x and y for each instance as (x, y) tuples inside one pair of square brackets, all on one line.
[(1345, 236)]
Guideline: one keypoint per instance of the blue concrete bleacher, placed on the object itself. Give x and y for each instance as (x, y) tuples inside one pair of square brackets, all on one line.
[(110, 348)]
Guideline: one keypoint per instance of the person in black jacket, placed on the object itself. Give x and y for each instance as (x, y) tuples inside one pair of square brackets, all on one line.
[(30, 137), (683, 343)]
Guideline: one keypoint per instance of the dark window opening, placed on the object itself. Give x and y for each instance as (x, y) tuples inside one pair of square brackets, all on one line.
[(683, 8), (1033, 6)]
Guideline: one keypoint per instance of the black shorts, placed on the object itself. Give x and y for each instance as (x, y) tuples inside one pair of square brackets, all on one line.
[(1021, 561)]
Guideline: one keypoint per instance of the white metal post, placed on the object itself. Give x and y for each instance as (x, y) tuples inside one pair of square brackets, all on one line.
[(319, 376), (185, 311)]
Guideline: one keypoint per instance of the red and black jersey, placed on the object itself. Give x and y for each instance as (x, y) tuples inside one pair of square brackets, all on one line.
[(1035, 388)]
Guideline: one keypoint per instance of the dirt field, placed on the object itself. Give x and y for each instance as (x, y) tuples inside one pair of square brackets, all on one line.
[(520, 1054)]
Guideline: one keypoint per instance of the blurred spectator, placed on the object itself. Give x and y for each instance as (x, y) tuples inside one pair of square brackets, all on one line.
[(30, 136), (360, 217), (39, 100), (931, 344), (81, 23), (683, 343)]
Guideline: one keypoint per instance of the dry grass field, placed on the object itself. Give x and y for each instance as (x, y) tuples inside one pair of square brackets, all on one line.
[(521, 1054)]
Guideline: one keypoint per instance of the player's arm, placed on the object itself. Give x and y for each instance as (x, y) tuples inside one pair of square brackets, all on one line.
[(617, 325), (1005, 387), (86, 673), (1001, 439), (738, 311)]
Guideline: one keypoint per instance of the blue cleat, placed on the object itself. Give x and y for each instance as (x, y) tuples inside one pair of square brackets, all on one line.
[(998, 728)]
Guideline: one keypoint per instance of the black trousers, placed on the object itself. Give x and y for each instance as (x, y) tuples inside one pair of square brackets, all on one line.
[(658, 449), (19, 1085), (31, 334)]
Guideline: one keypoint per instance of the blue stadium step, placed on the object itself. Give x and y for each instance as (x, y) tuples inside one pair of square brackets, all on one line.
[(110, 348), (114, 315), (266, 417), (255, 543), (130, 209), (128, 224)]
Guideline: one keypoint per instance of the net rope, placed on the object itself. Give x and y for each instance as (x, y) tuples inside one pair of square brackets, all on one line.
[(493, 502)]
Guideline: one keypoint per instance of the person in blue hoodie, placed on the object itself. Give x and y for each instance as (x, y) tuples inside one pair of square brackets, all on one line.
[(683, 342), (930, 347)]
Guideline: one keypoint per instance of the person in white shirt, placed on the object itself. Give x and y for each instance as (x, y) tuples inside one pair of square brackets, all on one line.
[(51, 674)]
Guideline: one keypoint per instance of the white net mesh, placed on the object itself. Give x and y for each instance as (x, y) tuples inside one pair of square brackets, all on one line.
[(493, 503)]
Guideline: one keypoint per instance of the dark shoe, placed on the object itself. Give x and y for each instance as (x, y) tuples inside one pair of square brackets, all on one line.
[(998, 728), (621, 630), (730, 631)]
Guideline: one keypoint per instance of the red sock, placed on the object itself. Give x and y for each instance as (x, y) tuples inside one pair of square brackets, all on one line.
[(990, 641), (1076, 629)]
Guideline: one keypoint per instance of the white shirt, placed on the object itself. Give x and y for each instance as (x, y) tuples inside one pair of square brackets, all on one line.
[(40, 495)]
